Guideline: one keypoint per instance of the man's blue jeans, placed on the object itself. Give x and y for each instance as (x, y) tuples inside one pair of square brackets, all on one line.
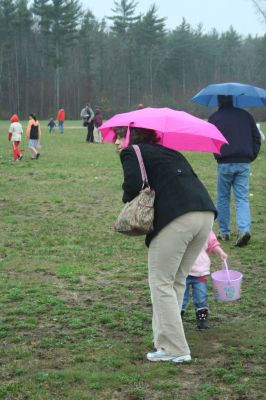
[(199, 293), (61, 126), (236, 176)]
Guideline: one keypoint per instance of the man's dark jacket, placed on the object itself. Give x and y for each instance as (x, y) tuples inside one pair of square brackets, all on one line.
[(177, 188), (241, 132)]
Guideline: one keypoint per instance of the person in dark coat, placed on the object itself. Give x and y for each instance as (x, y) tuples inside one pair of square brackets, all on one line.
[(183, 218), (87, 114), (242, 134)]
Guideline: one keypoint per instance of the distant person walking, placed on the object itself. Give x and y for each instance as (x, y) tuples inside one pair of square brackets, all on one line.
[(61, 115), (241, 132), (87, 115), (98, 120), (33, 133), (51, 125), (14, 135)]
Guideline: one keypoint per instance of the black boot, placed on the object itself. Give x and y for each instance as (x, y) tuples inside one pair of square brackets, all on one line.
[(202, 318)]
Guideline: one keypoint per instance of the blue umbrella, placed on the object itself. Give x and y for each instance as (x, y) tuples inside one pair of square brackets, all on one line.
[(243, 95)]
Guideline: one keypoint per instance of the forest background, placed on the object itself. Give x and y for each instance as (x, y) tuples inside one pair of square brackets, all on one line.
[(53, 54)]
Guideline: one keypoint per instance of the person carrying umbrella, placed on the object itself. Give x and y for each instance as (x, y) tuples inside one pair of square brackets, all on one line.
[(183, 210), (241, 132), (183, 218)]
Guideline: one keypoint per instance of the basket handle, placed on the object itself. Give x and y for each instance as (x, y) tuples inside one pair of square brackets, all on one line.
[(227, 270)]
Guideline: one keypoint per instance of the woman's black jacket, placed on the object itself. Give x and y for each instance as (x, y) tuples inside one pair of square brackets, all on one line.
[(177, 188)]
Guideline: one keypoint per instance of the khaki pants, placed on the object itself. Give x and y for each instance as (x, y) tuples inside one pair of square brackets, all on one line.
[(170, 258)]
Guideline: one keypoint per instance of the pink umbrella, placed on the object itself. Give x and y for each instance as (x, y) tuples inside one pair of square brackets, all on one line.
[(177, 130)]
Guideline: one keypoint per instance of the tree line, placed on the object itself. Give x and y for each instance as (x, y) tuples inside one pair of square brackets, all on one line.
[(53, 54)]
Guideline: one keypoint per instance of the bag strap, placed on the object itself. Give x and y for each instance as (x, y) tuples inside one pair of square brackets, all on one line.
[(141, 165)]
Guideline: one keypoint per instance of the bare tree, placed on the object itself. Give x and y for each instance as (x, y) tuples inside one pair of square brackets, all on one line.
[(260, 6)]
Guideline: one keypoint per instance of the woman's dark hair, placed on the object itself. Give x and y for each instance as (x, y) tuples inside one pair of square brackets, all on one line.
[(33, 116), (143, 135), (120, 131), (137, 135)]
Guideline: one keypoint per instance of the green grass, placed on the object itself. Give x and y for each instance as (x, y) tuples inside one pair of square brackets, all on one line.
[(75, 309)]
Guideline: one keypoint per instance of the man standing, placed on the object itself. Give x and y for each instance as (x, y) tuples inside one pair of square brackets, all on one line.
[(61, 119), (240, 130), (87, 115)]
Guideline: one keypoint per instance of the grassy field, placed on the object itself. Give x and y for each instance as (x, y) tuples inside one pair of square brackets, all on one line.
[(75, 310)]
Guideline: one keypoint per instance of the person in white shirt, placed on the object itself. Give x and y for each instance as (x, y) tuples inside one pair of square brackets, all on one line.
[(14, 135)]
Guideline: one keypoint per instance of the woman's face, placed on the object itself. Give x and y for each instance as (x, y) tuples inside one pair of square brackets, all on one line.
[(120, 141)]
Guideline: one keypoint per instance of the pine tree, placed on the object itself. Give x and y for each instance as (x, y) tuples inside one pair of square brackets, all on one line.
[(7, 49), (58, 22), (123, 21), (23, 36)]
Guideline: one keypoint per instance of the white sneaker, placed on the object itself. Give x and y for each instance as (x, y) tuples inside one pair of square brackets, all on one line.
[(161, 355)]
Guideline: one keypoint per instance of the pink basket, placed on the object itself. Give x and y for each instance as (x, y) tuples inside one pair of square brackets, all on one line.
[(227, 284)]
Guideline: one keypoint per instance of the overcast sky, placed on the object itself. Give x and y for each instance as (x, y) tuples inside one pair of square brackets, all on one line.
[(219, 14)]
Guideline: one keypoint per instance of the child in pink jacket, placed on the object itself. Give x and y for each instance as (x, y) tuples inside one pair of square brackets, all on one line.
[(198, 280)]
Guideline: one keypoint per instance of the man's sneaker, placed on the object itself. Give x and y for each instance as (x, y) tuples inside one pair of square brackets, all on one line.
[(202, 318), (161, 355), (223, 236), (20, 157), (37, 156), (243, 239)]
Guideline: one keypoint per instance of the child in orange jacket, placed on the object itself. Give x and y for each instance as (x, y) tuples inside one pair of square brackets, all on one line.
[(14, 135)]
